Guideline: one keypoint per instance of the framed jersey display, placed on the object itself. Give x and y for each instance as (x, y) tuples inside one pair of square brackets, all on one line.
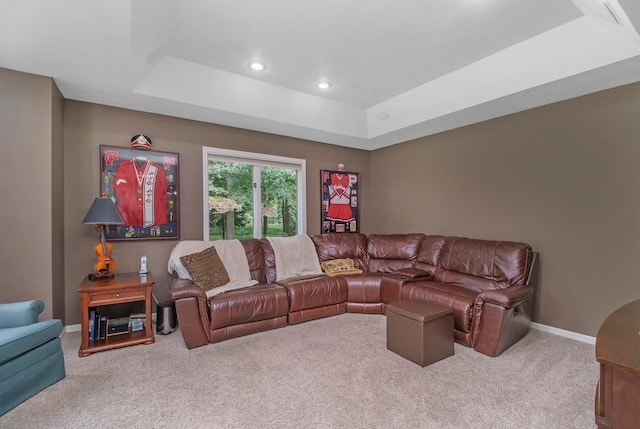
[(144, 184), (340, 199)]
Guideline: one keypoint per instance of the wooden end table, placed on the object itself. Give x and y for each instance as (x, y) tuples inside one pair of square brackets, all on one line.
[(125, 287)]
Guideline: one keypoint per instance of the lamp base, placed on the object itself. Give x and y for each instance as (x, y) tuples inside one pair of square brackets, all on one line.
[(100, 276)]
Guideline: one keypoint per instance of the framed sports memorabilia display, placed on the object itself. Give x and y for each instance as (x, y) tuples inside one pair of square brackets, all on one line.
[(340, 201), (144, 185)]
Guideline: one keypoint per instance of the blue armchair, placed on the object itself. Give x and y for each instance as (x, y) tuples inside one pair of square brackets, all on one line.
[(31, 356)]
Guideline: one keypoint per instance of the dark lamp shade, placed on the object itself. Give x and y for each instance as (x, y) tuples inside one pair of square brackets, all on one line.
[(103, 211)]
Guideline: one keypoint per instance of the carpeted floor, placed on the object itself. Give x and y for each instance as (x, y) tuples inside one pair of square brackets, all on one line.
[(329, 373)]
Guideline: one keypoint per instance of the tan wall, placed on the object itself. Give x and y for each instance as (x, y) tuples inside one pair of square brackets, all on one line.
[(27, 124), (89, 125), (564, 178), (57, 203)]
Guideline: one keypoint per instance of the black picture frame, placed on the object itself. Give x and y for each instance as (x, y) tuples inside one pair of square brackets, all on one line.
[(145, 186), (340, 201)]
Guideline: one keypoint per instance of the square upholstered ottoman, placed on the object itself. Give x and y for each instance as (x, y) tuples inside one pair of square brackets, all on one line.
[(420, 331)]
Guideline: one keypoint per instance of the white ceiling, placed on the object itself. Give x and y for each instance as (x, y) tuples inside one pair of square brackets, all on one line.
[(400, 69)]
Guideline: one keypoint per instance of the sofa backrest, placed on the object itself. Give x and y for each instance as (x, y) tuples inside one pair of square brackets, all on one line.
[(472, 263), (271, 275), (338, 246), (429, 253), (483, 264), (391, 252), (255, 259)]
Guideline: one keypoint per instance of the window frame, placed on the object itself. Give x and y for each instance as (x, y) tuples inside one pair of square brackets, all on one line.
[(255, 159)]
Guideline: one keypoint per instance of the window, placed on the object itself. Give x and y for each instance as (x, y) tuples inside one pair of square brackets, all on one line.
[(251, 195)]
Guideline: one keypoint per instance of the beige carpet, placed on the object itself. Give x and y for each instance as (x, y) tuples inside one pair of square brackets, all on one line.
[(330, 373)]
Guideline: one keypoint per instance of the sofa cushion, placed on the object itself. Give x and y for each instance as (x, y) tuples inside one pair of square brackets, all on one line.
[(475, 283), (246, 305), (391, 252), (458, 298), (482, 264), (315, 291), (338, 246), (429, 253), (18, 340), (206, 269), (255, 258)]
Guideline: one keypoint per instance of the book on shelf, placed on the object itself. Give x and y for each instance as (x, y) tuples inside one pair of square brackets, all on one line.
[(102, 328), (94, 323), (92, 316)]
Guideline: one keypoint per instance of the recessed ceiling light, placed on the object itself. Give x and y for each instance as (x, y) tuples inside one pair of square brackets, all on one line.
[(324, 85), (257, 66)]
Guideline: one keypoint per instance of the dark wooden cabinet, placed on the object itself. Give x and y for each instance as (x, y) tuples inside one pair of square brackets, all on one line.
[(617, 404)]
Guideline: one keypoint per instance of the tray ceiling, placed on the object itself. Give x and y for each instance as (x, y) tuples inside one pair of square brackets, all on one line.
[(398, 70)]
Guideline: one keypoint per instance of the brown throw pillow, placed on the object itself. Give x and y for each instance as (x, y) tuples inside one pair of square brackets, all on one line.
[(340, 267), (206, 269)]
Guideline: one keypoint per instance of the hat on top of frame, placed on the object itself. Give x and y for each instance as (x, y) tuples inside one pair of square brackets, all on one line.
[(140, 141)]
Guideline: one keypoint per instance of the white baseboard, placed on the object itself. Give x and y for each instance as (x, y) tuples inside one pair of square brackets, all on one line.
[(72, 328), (563, 333)]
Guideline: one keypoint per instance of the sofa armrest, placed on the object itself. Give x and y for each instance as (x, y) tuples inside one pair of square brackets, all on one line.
[(185, 288), (192, 309), (501, 318), (509, 297), (22, 313), (413, 273)]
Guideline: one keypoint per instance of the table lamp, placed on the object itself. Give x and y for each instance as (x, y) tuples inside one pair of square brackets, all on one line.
[(103, 212)]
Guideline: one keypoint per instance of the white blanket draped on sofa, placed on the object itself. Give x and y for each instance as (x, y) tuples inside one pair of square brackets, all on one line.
[(295, 256), (231, 254)]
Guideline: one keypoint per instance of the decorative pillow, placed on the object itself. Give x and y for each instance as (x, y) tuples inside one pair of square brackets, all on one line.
[(206, 269), (340, 267)]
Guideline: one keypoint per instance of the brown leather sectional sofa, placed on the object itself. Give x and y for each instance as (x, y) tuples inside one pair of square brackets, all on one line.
[(487, 284)]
